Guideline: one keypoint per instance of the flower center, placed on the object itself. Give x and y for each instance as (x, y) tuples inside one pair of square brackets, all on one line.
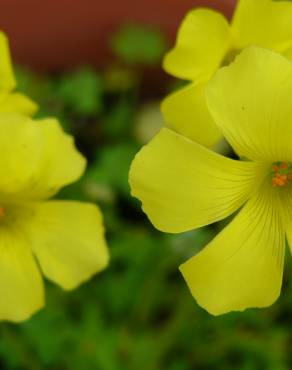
[(282, 173)]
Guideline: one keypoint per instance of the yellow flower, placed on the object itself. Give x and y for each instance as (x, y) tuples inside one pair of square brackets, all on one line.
[(205, 42), (63, 239), (183, 185), (11, 101)]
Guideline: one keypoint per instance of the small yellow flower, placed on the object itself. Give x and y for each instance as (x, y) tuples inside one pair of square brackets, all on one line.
[(205, 42), (63, 239), (11, 101), (183, 185)]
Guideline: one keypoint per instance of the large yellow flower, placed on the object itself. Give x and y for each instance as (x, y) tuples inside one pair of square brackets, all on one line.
[(11, 101), (183, 185), (63, 239), (205, 42)]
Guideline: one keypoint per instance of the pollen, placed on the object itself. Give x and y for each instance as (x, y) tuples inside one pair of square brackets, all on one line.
[(2, 212), (282, 174)]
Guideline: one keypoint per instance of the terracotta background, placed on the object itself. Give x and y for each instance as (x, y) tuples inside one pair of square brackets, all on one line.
[(57, 34)]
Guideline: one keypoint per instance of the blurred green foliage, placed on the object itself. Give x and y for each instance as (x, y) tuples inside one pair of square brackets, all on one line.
[(82, 91), (139, 44), (138, 314)]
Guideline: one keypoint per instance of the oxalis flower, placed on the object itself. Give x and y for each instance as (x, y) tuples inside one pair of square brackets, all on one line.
[(11, 101), (205, 42), (183, 185), (63, 239)]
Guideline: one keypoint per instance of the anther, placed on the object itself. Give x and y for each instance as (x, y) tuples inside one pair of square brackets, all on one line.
[(282, 173), (2, 212)]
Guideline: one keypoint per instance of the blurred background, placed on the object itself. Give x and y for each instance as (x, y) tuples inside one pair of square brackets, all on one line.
[(97, 67)]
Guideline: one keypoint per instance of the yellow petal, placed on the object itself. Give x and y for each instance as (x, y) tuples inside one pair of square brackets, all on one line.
[(242, 267), (7, 79), (37, 158), (286, 207), (183, 185), (18, 103), (68, 241), (61, 163), (21, 286), (265, 23), (288, 53), (186, 112), (289, 235), (21, 149), (202, 41), (250, 101)]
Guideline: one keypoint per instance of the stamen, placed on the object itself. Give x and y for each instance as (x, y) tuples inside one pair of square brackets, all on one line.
[(2, 212), (282, 173), (284, 165)]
